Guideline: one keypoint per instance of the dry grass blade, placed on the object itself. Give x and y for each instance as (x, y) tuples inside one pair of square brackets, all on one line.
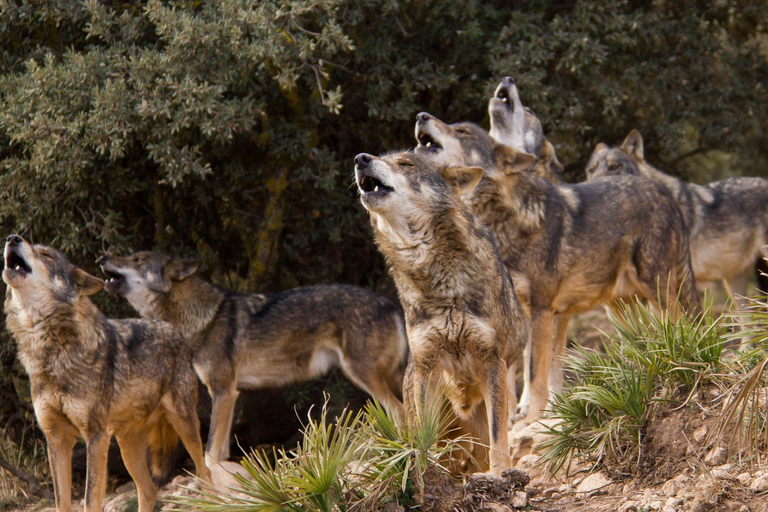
[(745, 412)]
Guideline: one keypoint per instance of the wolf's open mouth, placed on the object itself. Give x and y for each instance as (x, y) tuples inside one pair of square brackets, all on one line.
[(427, 141), (503, 95), (371, 185), (112, 277), (17, 263)]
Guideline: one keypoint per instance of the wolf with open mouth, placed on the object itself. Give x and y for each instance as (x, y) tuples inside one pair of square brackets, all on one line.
[(92, 377)]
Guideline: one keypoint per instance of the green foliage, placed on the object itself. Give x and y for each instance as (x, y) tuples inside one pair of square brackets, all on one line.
[(355, 462), (602, 414)]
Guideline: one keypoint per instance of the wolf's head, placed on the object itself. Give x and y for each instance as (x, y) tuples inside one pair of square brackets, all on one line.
[(507, 114), (623, 160), (40, 277), (406, 188), (466, 144), (142, 277)]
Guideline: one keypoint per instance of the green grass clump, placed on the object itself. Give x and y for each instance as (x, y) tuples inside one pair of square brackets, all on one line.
[(650, 356), (353, 462)]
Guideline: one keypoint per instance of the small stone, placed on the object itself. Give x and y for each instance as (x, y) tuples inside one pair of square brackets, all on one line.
[(126, 487), (759, 484), (744, 479), (496, 507), (674, 502), (519, 499), (656, 505), (716, 456), (671, 487), (630, 506), (700, 434), (701, 506), (593, 484)]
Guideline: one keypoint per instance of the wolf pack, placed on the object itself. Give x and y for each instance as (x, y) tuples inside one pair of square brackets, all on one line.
[(490, 251)]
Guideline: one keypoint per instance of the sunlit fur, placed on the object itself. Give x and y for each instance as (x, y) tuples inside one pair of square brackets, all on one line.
[(465, 326), (568, 248), (250, 341), (727, 220), (92, 377)]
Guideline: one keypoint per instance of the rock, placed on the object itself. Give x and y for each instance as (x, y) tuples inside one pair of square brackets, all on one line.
[(522, 441), (222, 474), (519, 499), (716, 456), (126, 487), (630, 506), (671, 487), (593, 484), (674, 502), (759, 484), (126, 502), (701, 506), (656, 505), (700, 434), (725, 471), (496, 507), (744, 479)]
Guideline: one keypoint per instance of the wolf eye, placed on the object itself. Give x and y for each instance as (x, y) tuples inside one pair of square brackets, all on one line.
[(405, 163), (47, 255), (138, 259), (614, 167), (463, 130)]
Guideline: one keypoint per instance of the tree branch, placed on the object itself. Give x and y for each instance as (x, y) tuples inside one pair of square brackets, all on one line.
[(31, 482)]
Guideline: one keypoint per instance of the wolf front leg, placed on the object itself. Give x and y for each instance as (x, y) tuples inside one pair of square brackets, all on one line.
[(60, 445), (495, 398), (97, 446), (541, 355)]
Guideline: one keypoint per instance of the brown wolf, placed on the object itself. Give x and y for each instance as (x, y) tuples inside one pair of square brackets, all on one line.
[(465, 326), (517, 126), (727, 220), (92, 377), (256, 340), (568, 247)]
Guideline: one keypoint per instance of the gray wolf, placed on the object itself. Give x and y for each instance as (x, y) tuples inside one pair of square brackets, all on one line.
[(568, 248), (727, 220), (517, 126), (465, 326), (258, 340), (93, 377)]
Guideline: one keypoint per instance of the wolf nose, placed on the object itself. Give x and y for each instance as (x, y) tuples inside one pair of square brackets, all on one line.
[(508, 80), (363, 160), (15, 240), (102, 260), (423, 117)]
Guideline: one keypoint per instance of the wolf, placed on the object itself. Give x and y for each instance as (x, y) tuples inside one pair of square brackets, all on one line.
[(256, 340), (464, 324), (93, 377), (727, 220), (517, 126), (567, 247)]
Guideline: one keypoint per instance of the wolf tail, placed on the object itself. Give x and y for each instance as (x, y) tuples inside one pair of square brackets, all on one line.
[(163, 441)]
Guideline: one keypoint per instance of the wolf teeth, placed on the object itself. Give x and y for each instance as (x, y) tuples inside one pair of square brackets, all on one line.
[(429, 144), (18, 267), (505, 100), (376, 189)]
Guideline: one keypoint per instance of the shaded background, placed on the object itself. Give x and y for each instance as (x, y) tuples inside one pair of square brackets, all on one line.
[(225, 130)]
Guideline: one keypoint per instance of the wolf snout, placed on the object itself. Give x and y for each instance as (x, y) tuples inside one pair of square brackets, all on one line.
[(423, 117), (363, 160), (14, 240)]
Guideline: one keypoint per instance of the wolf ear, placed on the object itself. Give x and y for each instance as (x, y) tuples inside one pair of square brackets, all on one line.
[(633, 144), (179, 270), (86, 283), (550, 158), (463, 179), (600, 148), (510, 160)]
